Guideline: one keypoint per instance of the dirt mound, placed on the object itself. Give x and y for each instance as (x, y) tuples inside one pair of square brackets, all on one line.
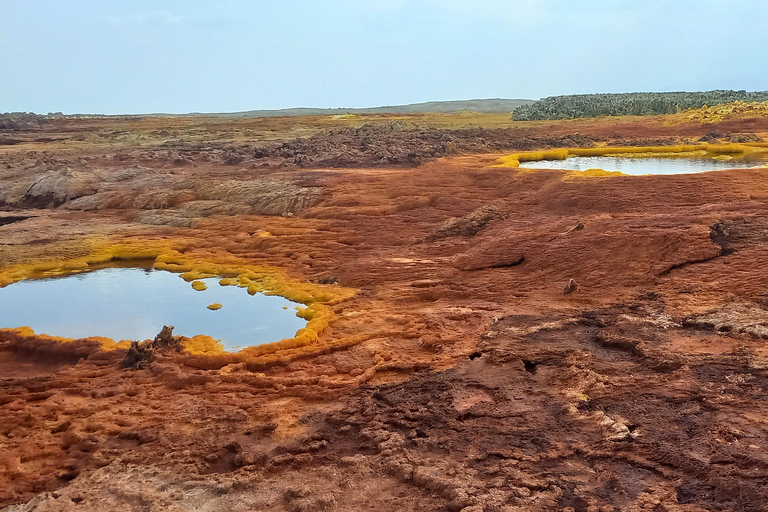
[(140, 354), (189, 214), (468, 225), (738, 138), (20, 121), (47, 189), (54, 189), (497, 257), (269, 196)]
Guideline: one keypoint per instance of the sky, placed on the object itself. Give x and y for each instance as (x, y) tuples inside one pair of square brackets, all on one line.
[(178, 56)]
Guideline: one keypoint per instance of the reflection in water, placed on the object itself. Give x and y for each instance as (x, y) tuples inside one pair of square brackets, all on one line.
[(133, 303), (637, 166)]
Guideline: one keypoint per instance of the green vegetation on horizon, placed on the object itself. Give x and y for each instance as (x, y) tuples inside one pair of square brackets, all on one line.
[(628, 104)]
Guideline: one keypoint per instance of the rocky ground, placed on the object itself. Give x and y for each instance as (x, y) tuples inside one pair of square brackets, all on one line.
[(468, 379)]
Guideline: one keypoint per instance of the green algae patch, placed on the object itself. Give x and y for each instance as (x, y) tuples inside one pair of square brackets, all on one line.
[(317, 299)]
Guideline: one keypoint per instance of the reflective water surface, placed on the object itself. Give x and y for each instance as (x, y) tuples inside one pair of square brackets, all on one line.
[(637, 166), (135, 303)]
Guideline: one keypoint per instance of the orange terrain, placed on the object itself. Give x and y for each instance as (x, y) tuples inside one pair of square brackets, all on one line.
[(460, 375)]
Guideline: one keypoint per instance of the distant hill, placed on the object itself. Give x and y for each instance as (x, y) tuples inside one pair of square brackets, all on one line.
[(495, 105), (633, 104)]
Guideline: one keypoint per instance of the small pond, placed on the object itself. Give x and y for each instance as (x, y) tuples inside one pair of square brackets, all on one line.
[(638, 166), (135, 303)]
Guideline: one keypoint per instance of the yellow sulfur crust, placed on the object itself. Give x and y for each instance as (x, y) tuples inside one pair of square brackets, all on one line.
[(199, 286), (592, 173)]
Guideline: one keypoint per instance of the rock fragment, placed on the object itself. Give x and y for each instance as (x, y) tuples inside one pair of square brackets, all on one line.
[(140, 354)]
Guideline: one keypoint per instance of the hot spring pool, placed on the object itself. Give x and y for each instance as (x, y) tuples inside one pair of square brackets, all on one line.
[(638, 166), (135, 303)]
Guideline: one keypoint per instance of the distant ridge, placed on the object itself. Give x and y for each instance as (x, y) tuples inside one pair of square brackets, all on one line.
[(494, 105)]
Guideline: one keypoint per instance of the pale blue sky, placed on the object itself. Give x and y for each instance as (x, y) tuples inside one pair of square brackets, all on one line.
[(138, 56)]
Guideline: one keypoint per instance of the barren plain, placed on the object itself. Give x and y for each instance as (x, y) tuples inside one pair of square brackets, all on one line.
[(456, 374)]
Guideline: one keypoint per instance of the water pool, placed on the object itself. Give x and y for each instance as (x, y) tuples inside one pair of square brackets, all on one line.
[(638, 166), (135, 303)]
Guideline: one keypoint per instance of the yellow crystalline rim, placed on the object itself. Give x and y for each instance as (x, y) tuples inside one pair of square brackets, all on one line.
[(316, 298), (593, 173)]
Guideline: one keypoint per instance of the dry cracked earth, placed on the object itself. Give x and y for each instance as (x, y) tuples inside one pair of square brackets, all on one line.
[(467, 381)]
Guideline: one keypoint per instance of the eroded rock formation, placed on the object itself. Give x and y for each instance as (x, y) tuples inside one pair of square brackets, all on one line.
[(140, 354)]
